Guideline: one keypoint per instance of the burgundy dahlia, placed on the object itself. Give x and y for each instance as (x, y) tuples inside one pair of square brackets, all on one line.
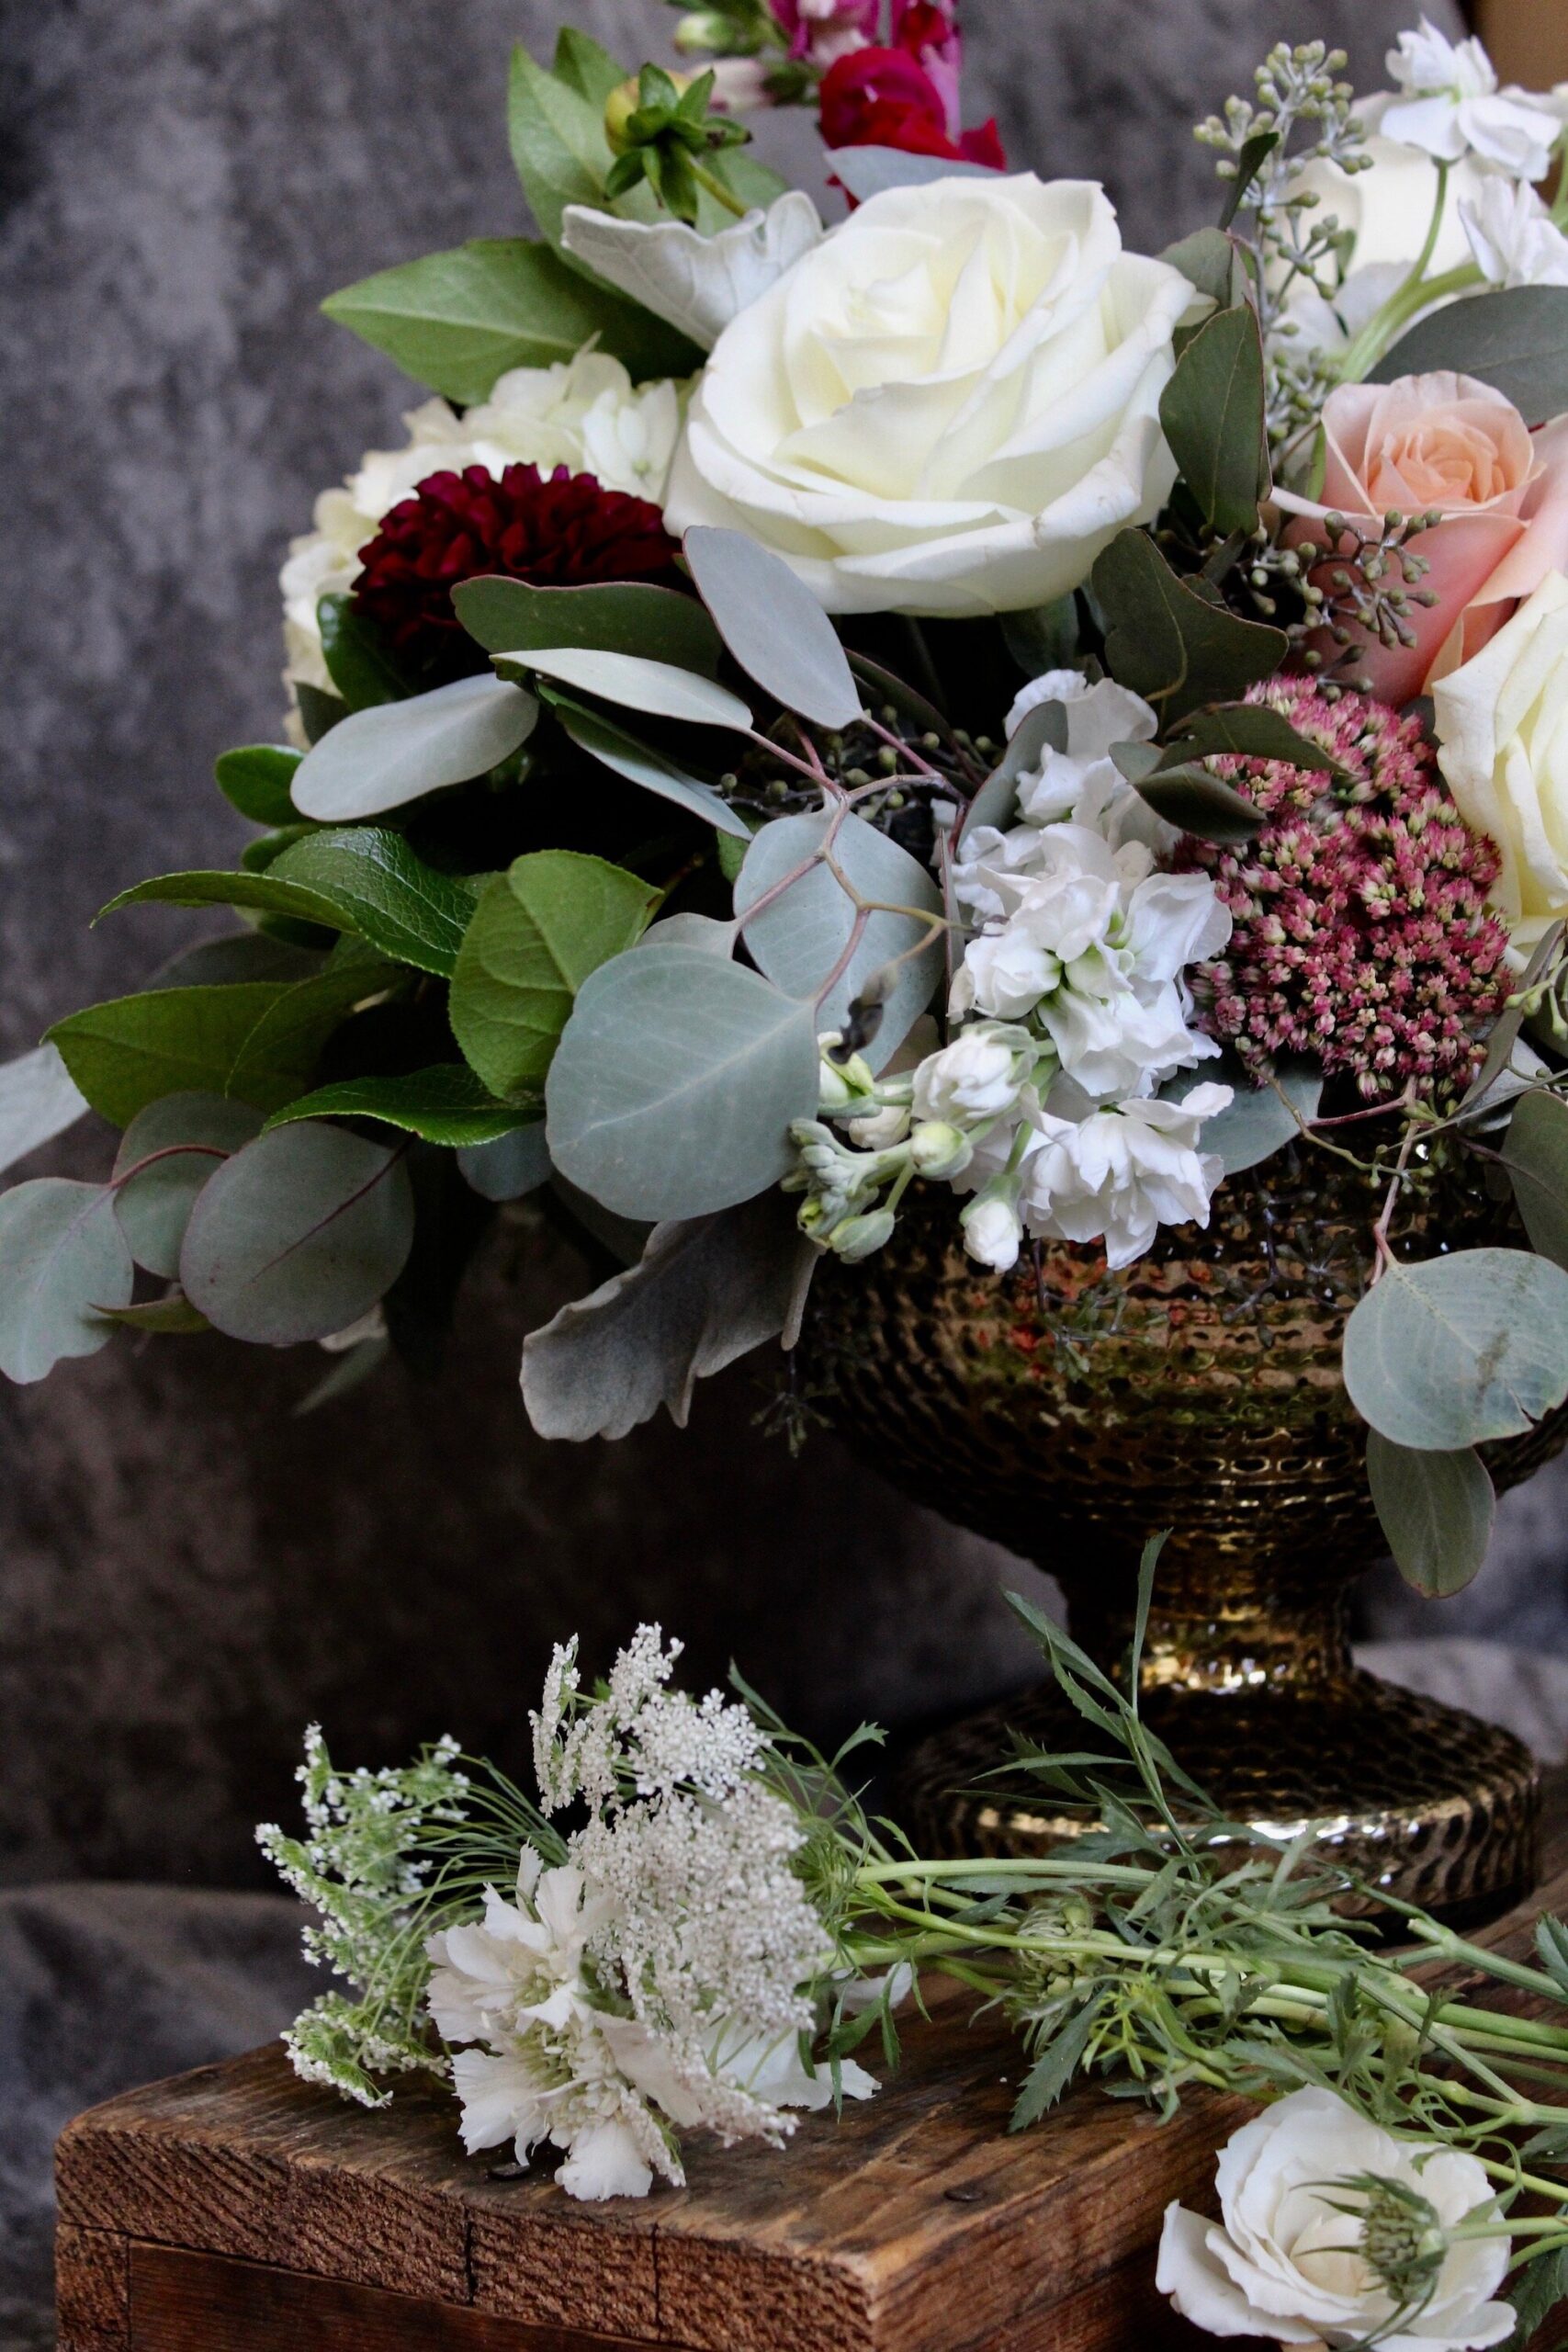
[(1362, 935), (560, 530)]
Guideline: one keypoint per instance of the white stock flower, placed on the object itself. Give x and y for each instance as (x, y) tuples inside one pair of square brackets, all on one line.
[(699, 283), (1502, 728), (976, 1077), (950, 405), (1513, 238), (1450, 106), (992, 1234), (1082, 784), (1281, 2263), (1118, 1175), (584, 412)]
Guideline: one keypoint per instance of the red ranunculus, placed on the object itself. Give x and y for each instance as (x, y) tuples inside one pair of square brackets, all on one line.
[(881, 98), (559, 530)]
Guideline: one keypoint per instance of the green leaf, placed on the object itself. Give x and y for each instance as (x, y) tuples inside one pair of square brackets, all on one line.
[(349, 1371), (1213, 413), (445, 1104), (1208, 260), (620, 617), (1253, 154), (172, 1314), (866, 171), (256, 781), (706, 1291), (457, 321), (1040, 729), (240, 955), (268, 891), (1460, 1349), (509, 1168), (1551, 1945), (558, 139), (604, 742), (675, 1084), (658, 688), (774, 625), (259, 1040), (182, 1139), (1535, 1152), (1515, 339), (800, 939), (1535, 2291), (1256, 731), (1053, 2069), (38, 1100), (1168, 643), (319, 711), (383, 758), (585, 67), (1436, 1512), (63, 1256), (299, 1234), (386, 894), (536, 935), (1188, 794), (1257, 1123), (1046, 638), (358, 663)]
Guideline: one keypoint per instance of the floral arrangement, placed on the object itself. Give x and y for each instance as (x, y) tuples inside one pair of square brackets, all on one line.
[(722, 1927), (933, 700)]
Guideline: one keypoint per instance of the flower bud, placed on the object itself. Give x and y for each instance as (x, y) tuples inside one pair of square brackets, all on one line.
[(833, 1088), (880, 1129), (705, 29), (937, 1149), (619, 108), (859, 1237), (992, 1234)]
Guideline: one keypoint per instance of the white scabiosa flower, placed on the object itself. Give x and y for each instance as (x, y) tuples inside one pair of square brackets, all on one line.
[(1118, 1175)]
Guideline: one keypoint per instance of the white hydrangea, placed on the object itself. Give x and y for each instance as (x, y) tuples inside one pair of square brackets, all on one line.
[(584, 412), (1450, 106), (663, 1976)]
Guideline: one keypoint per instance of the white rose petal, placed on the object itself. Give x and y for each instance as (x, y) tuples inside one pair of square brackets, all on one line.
[(699, 283), (950, 405), (1281, 2263)]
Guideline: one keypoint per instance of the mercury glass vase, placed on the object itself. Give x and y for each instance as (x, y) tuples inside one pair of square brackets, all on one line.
[(1069, 1412)]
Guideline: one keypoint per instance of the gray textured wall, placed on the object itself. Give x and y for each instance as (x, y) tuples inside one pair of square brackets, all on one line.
[(186, 1571)]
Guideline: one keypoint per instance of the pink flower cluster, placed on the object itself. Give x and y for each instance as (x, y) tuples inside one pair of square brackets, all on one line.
[(1361, 935)]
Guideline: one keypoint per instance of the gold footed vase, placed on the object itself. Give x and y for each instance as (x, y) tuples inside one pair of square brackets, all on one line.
[(1069, 1413)]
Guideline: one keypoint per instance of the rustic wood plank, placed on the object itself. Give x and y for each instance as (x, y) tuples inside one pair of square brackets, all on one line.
[(915, 2225), (93, 2299), (205, 2303)]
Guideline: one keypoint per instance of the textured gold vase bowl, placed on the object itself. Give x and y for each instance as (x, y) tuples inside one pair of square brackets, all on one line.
[(1069, 1413)]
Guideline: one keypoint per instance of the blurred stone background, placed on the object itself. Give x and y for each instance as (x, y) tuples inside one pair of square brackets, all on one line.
[(186, 1571)]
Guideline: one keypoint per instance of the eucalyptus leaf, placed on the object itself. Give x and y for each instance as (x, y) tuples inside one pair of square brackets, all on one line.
[(165, 1156), (299, 1234), (457, 320), (685, 930), (537, 933), (707, 1290), (1256, 731), (801, 939), (639, 764), (63, 1256), (1260, 1120), (1458, 1351), (658, 688), (511, 1166), (266, 891), (1167, 642), (256, 780), (1039, 731), (1044, 636), (1208, 260), (676, 1082), (1188, 794), (1436, 1512), (866, 172), (388, 894), (1212, 411), (617, 617), (445, 1104), (1253, 154), (1513, 338), (774, 625), (1535, 1152), (173, 1315), (38, 1100), (908, 699), (1504, 1034), (382, 759)]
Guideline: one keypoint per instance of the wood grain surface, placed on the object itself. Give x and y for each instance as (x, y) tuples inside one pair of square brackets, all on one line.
[(236, 2209)]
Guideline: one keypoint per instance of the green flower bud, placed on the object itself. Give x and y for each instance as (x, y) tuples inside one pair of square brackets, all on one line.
[(937, 1149), (860, 1236)]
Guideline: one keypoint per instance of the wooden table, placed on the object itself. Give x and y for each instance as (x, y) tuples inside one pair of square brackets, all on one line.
[(234, 2209)]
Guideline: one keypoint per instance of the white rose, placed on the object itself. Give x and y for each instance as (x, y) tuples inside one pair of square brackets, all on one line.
[(1503, 751), (977, 1076), (1119, 1175), (1282, 2263), (950, 405)]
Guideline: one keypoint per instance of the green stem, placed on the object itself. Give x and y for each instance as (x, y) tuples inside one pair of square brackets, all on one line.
[(718, 190), (1381, 329)]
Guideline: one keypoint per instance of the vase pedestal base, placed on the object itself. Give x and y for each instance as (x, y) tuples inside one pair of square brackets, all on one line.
[(1422, 1801)]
